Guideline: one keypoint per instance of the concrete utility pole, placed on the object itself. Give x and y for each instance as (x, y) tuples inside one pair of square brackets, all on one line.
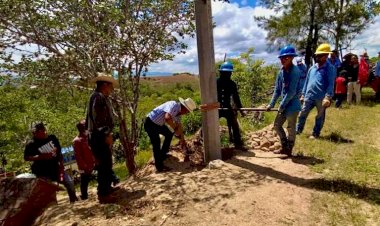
[(206, 61)]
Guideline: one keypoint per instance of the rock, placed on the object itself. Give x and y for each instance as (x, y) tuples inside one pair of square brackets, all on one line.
[(265, 143), (216, 164), (272, 148), (265, 149), (254, 144)]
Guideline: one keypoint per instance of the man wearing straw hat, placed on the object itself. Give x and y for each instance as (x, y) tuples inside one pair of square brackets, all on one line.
[(100, 115), (157, 122)]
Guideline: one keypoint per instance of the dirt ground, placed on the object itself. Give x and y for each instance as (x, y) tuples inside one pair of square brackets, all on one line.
[(252, 188)]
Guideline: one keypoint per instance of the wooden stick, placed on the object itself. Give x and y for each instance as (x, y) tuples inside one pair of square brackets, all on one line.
[(249, 109)]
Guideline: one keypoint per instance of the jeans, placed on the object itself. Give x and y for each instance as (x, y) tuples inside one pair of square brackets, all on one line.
[(154, 132), (84, 180), (339, 99), (279, 122), (233, 126), (308, 105), (69, 185)]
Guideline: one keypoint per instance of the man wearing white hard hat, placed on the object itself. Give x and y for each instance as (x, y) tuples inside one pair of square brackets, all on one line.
[(157, 122), (100, 114)]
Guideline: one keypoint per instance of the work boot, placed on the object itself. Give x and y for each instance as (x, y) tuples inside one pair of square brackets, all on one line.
[(290, 148), (284, 148), (104, 199)]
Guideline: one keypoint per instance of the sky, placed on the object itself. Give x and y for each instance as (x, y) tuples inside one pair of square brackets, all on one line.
[(236, 31)]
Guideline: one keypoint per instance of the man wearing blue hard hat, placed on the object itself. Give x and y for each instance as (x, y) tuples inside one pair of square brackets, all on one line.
[(226, 89), (288, 87)]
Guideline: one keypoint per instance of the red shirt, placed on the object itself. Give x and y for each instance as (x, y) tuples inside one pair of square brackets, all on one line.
[(83, 154), (340, 85)]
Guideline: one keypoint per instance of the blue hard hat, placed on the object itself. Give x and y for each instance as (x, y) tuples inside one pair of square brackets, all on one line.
[(288, 50), (226, 66)]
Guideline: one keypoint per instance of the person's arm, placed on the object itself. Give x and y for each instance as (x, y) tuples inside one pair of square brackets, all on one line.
[(331, 82), (78, 152), (177, 127), (292, 90), (276, 93), (28, 156)]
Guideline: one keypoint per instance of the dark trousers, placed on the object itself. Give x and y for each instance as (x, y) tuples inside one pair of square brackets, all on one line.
[(154, 132), (104, 158), (233, 124), (339, 97), (84, 180), (104, 179)]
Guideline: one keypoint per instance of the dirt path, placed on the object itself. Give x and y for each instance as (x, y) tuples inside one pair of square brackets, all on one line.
[(245, 190)]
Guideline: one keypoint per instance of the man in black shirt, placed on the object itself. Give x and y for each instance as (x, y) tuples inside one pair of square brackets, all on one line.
[(100, 114), (45, 153), (227, 89)]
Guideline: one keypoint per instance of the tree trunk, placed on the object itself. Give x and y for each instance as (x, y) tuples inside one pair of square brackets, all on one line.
[(129, 148), (309, 43)]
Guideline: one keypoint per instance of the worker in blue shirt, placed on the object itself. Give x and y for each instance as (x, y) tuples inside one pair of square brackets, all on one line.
[(303, 69), (287, 86), (377, 68), (318, 90), (334, 59)]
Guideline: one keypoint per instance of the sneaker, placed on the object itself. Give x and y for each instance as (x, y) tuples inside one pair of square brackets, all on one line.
[(313, 137)]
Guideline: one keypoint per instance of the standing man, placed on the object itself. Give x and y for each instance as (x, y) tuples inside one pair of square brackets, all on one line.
[(334, 59), (84, 157), (227, 89), (45, 153), (303, 69), (318, 90), (99, 115), (353, 85), (168, 113), (376, 83), (287, 86)]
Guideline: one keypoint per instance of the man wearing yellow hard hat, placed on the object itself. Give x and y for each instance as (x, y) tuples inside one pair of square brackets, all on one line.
[(318, 90)]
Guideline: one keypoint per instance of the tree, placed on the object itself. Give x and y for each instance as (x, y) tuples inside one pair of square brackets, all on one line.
[(310, 22), (346, 19), (76, 39), (252, 78)]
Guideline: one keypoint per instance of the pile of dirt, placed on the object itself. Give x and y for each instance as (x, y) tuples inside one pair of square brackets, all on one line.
[(265, 139), (188, 160)]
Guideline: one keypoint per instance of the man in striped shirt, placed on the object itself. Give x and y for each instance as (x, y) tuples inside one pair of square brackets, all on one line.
[(157, 122)]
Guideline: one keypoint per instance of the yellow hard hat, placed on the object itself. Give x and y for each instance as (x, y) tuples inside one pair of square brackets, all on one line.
[(323, 49)]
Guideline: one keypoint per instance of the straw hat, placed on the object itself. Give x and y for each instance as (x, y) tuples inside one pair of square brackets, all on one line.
[(105, 78), (188, 103)]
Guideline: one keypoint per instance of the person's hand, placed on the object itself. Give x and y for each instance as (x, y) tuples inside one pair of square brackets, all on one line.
[(302, 99), (268, 107), (326, 102)]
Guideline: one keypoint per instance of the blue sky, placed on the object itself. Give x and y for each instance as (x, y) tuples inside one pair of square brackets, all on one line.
[(236, 31)]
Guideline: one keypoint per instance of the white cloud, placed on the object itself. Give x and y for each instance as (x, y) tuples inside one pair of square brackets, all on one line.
[(368, 40), (235, 32)]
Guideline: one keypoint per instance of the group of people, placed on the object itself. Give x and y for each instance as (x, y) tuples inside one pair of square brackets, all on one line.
[(300, 90), (300, 93), (92, 147)]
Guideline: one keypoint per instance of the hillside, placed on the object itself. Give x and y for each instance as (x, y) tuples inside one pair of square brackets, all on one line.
[(331, 181)]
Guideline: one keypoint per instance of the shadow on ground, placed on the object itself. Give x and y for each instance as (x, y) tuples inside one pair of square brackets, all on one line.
[(336, 138), (368, 194)]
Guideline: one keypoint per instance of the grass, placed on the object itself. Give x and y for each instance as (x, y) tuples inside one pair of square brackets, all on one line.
[(349, 154)]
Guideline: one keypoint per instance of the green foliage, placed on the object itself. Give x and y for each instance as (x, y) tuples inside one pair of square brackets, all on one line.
[(20, 106), (253, 78), (306, 24)]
